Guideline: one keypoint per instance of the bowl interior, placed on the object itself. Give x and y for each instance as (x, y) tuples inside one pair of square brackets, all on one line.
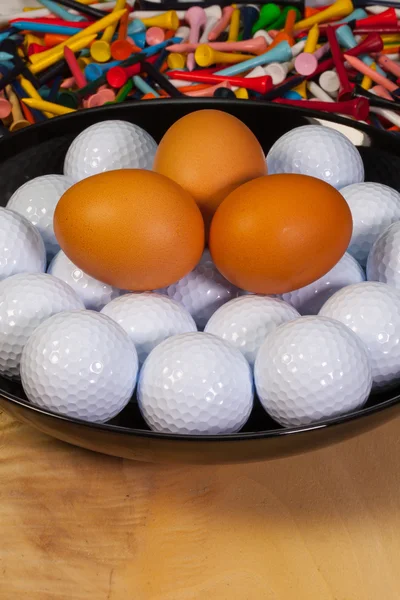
[(41, 149)]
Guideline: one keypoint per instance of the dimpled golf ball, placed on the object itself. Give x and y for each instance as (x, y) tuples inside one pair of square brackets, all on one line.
[(80, 364), (26, 300), (383, 262), (21, 246), (93, 293), (318, 151), (311, 369), (246, 321), (372, 311), (308, 300), (374, 207), (149, 319), (36, 200), (202, 291), (109, 146), (195, 383)]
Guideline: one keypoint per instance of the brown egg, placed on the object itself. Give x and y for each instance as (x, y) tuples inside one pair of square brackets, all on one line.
[(133, 229), (279, 233), (210, 153)]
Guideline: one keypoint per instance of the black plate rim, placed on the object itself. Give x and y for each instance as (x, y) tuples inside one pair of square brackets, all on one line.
[(107, 112), (237, 437)]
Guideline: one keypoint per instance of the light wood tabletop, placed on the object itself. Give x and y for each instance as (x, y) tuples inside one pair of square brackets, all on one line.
[(76, 525)]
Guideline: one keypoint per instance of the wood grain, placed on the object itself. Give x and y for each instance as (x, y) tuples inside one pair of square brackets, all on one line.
[(80, 526)]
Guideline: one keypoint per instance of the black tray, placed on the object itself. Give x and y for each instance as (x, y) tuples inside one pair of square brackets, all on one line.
[(40, 150)]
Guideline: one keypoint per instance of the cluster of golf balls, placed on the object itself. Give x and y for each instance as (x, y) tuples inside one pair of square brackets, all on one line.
[(198, 351)]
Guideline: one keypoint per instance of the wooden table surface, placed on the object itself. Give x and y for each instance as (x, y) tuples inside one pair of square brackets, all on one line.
[(76, 525)]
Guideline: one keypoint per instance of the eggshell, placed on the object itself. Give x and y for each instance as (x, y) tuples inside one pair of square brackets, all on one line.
[(279, 233), (210, 153), (132, 229)]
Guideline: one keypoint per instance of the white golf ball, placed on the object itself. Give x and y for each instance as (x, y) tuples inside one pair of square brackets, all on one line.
[(36, 200), (21, 246), (318, 151), (93, 293), (195, 383), (311, 369), (149, 319), (26, 300), (372, 311), (109, 146), (202, 291), (383, 262), (308, 300), (246, 321), (374, 207), (80, 364)]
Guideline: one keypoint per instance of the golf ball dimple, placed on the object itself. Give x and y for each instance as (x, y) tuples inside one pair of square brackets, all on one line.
[(202, 291), (195, 383), (246, 321), (372, 311), (80, 364), (383, 262), (374, 207), (93, 293), (317, 151), (149, 319), (109, 146), (311, 369), (26, 300), (21, 246), (36, 200), (310, 299)]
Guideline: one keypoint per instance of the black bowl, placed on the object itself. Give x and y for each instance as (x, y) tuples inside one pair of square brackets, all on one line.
[(40, 150)]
